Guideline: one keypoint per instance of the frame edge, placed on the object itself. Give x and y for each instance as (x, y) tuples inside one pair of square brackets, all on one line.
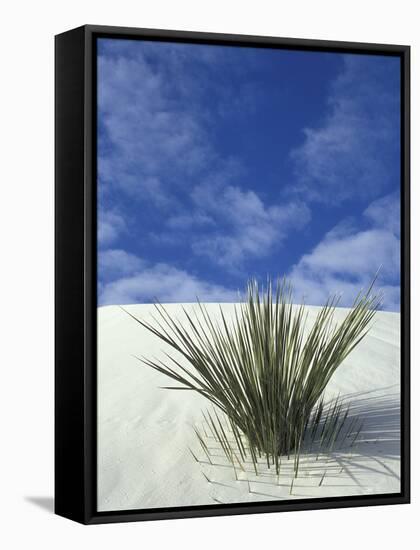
[(74, 248), (69, 429)]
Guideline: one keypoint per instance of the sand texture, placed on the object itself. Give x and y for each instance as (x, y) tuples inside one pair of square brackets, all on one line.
[(145, 432)]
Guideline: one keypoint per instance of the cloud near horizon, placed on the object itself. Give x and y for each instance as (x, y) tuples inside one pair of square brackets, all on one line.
[(344, 262), (347, 259), (160, 282)]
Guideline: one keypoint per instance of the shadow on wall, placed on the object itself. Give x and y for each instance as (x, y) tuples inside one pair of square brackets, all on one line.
[(46, 503)]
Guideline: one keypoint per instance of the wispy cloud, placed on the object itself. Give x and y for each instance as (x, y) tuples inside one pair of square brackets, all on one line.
[(158, 142), (246, 227), (155, 139), (355, 150), (149, 135), (115, 262), (188, 221), (385, 212), (155, 118), (346, 259), (110, 226)]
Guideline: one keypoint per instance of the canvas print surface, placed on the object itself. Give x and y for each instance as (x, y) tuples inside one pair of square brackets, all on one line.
[(248, 286)]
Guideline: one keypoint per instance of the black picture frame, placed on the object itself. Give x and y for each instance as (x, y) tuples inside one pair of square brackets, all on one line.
[(75, 274)]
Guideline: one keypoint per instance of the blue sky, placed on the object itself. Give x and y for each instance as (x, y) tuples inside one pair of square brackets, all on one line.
[(217, 164)]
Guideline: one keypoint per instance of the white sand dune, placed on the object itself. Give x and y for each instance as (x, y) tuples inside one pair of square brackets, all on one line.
[(144, 431)]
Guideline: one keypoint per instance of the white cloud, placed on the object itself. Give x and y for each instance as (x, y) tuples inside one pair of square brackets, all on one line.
[(250, 228), (165, 284), (347, 259), (355, 253), (385, 212), (116, 262), (110, 226), (351, 152), (187, 221)]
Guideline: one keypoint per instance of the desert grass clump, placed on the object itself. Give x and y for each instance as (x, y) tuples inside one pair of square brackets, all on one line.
[(264, 369)]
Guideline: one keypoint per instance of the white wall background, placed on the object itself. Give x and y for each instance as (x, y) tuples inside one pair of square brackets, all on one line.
[(26, 274)]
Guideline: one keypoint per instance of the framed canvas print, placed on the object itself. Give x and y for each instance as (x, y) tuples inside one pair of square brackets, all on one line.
[(232, 274)]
